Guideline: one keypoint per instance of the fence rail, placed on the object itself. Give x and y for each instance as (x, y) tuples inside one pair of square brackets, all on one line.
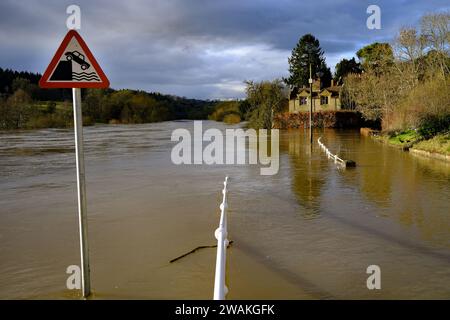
[(221, 233), (345, 163)]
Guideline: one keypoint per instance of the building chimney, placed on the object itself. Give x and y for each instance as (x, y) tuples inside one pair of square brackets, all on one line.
[(317, 85), (332, 82)]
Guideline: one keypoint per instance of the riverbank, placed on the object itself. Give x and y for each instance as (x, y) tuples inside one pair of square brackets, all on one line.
[(437, 147)]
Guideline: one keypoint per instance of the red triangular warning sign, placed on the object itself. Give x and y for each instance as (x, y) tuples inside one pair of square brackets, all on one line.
[(73, 66)]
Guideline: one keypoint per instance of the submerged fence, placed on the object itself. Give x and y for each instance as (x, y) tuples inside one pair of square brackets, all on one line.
[(220, 289), (342, 162)]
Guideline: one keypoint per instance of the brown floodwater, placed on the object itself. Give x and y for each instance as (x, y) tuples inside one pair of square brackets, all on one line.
[(308, 232)]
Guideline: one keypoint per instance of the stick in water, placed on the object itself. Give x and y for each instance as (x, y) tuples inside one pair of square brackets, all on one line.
[(198, 248)]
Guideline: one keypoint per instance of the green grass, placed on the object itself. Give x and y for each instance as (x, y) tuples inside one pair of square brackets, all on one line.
[(438, 144), (404, 138), (410, 138)]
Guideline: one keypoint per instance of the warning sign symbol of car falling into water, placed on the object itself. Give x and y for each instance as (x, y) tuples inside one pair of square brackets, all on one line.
[(74, 66), (68, 70)]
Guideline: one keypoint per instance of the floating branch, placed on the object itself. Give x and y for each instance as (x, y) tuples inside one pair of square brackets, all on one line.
[(194, 250)]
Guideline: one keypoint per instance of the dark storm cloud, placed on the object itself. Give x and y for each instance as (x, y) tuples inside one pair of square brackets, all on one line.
[(198, 48)]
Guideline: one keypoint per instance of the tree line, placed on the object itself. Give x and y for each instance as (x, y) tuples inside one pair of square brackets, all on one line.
[(23, 105), (406, 84), (403, 85)]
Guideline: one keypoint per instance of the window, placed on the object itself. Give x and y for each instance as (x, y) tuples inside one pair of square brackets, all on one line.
[(323, 100), (303, 100)]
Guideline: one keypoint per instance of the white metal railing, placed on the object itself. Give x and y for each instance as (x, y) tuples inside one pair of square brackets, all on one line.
[(220, 289), (329, 154)]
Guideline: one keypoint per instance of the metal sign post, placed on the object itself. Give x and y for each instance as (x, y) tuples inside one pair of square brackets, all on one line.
[(74, 66), (81, 189), (310, 80)]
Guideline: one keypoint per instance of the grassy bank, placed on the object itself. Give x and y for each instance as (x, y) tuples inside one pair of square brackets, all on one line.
[(440, 143)]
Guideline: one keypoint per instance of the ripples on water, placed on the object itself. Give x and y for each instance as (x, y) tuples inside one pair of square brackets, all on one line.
[(308, 232)]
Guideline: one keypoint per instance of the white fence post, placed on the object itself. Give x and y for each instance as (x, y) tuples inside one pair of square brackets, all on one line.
[(330, 155), (220, 289)]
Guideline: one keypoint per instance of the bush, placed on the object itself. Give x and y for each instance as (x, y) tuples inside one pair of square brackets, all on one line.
[(322, 119), (51, 107), (56, 120), (226, 109), (232, 118), (430, 125), (265, 99)]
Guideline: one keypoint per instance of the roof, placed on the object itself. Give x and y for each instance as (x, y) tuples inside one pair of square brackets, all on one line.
[(334, 89), (305, 92), (295, 92)]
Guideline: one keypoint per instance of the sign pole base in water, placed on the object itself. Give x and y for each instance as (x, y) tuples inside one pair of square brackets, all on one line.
[(81, 188)]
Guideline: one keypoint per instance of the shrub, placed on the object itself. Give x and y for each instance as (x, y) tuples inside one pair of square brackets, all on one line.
[(430, 125), (56, 120), (322, 119), (232, 118), (265, 98), (224, 109)]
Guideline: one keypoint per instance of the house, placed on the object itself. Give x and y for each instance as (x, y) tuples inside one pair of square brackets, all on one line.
[(323, 98)]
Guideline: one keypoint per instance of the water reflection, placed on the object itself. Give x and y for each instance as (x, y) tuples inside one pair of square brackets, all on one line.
[(411, 190), (309, 170)]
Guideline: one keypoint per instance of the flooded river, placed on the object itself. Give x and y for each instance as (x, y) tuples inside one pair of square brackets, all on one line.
[(309, 232)]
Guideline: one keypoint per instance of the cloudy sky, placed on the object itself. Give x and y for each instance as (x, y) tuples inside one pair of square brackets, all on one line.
[(197, 48)]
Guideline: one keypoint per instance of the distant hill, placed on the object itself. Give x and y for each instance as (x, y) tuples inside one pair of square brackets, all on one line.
[(24, 105)]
